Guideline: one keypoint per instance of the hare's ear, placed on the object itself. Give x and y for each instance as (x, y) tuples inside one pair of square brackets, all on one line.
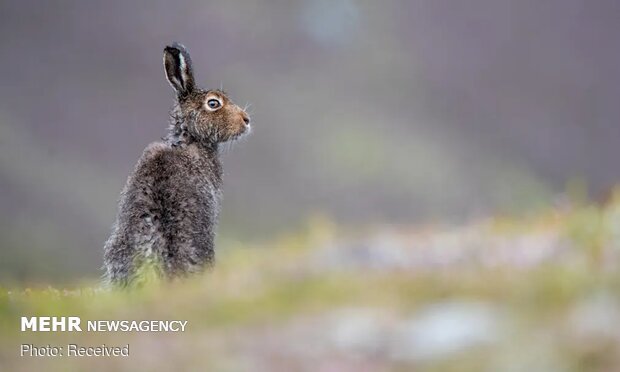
[(179, 70)]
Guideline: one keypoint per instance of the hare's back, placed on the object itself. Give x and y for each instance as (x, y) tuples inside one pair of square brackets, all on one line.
[(176, 179)]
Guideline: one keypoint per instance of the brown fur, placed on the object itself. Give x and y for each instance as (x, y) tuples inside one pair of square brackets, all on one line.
[(169, 207)]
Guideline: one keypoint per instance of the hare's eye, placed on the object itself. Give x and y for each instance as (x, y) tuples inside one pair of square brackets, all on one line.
[(213, 104)]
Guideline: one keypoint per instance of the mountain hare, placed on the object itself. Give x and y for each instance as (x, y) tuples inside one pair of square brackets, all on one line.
[(169, 206)]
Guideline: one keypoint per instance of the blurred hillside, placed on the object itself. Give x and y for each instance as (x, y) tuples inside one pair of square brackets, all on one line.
[(395, 112), (499, 294)]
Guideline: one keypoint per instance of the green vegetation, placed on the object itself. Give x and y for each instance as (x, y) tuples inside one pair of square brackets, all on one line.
[(501, 294)]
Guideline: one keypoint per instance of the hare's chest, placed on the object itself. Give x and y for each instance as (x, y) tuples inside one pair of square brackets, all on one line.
[(208, 192), (203, 177)]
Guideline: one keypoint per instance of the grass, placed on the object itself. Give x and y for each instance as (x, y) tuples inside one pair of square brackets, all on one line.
[(501, 294)]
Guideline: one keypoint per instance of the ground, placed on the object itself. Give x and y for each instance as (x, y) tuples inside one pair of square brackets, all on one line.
[(538, 292)]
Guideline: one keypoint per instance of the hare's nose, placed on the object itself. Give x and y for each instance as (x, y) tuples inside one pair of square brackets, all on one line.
[(245, 117)]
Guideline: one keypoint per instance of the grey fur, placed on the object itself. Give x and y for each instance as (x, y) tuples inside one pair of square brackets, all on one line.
[(169, 207)]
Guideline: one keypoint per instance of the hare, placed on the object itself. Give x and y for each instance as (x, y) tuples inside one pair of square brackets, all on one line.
[(168, 209)]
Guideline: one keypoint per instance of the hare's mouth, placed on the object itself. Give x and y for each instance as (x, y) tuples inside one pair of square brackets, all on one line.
[(245, 132), (239, 135)]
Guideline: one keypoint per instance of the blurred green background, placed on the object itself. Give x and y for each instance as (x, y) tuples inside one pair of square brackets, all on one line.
[(371, 113)]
